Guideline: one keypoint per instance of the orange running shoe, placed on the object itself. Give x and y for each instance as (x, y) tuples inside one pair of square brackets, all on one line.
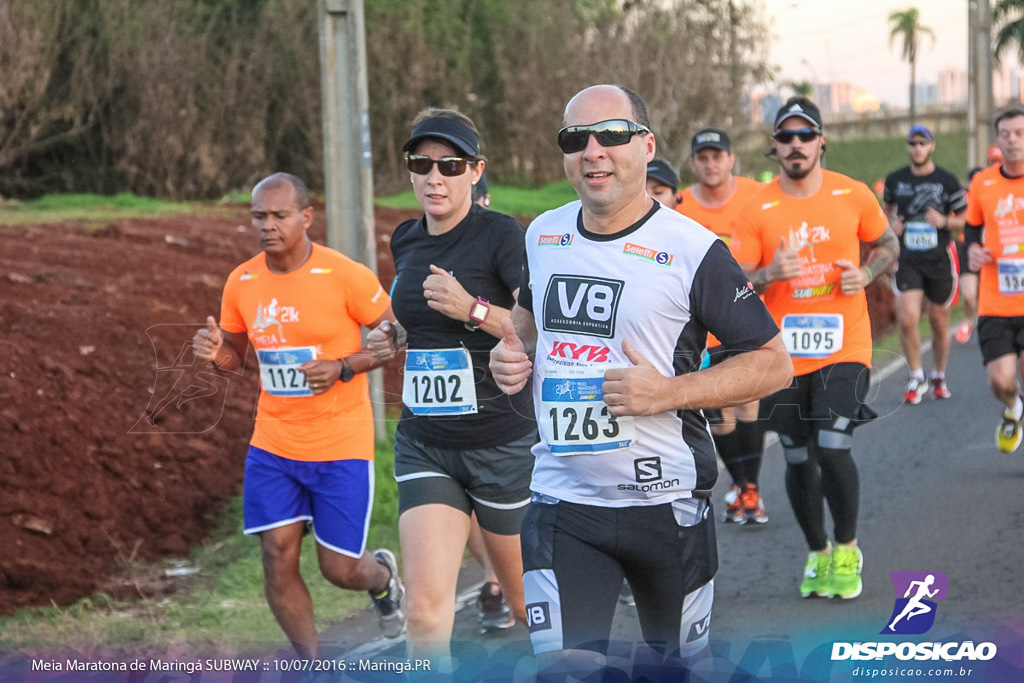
[(964, 331), (753, 505), (733, 506)]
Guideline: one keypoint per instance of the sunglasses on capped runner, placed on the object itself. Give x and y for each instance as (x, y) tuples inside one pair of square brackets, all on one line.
[(611, 133), (786, 136), (446, 166)]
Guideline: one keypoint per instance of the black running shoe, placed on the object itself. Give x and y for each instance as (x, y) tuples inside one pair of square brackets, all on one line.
[(492, 610)]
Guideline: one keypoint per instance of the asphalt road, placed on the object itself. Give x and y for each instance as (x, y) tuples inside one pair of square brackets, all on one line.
[(936, 496)]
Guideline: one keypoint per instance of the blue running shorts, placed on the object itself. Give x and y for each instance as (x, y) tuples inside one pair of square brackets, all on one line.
[(336, 495)]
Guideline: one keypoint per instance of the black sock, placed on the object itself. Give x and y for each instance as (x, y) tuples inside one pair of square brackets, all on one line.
[(750, 449), (726, 445)]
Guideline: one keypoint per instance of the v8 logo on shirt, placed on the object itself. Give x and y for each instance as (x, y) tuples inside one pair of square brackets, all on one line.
[(581, 305)]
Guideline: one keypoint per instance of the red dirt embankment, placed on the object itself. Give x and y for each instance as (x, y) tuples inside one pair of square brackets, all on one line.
[(116, 444)]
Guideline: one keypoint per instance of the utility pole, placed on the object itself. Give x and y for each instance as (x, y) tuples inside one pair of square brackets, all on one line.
[(979, 81), (734, 65), (348, 168)]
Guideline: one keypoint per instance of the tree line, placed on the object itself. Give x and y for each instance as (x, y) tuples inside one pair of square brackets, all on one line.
[(190, 99)]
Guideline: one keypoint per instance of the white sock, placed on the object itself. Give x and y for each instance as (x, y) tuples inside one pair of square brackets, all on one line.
[(1018, 409)]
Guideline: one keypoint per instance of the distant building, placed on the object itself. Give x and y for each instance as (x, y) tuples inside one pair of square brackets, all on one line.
[(1005, 85), (770, 105), (926, 94), (841, 97), (952, 86)]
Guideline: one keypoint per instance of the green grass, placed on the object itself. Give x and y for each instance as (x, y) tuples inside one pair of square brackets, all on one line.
[(221, 609), (871, 160), (90, 208), (96, 211), (79, 202), (514, 201), (868, 160)]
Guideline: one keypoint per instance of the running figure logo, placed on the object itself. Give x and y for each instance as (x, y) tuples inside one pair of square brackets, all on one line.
[(267, 316), (914, 612)]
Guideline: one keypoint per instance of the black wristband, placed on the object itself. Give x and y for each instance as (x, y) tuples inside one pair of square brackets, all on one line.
[(972, 234)]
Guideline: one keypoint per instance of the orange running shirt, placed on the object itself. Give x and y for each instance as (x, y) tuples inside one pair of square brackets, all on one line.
[(720, 220), (824, 228), (997, 203), (323, 304)]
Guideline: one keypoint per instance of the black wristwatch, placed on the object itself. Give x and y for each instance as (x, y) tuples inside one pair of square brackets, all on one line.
[(347, 373)]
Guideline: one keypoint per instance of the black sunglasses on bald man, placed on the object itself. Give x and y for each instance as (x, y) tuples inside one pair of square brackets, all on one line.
[(610, 133)]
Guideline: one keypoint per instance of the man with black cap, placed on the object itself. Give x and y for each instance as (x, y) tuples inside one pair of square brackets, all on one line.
[(717, 197), (715, 202), (926, 208), (800, 243), (663, 183)]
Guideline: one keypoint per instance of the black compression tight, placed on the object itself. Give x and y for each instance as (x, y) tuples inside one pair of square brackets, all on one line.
[(827, 474)]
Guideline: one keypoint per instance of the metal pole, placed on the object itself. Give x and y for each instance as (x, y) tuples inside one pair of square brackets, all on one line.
[(348, 168), (979, 81), (985, 105), (972, 84)]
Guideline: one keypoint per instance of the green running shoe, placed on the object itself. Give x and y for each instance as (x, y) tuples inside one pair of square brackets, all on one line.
[(1008, 434), (847, 562), (816, 574)]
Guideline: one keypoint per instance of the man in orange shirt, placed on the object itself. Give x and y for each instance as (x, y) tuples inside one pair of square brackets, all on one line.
[(715, 202), (301, 306), (995, 237), (968, 277), (800, 242)]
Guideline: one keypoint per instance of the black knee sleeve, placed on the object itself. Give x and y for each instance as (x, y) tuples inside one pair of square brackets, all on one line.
[(803, 486)]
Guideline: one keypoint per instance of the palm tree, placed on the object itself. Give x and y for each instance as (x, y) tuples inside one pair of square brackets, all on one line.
[(1008, 15), (906, 25), (802, 88)]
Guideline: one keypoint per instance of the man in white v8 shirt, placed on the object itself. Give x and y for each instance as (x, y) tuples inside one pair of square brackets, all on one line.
[(620, 295)]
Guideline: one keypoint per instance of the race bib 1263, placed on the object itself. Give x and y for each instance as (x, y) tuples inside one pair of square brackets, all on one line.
[(573, 417)]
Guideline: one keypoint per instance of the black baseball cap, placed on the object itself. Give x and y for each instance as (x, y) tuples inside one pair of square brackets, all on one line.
[(450, 130), (714, 138), (800, 107), (659, 171)]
